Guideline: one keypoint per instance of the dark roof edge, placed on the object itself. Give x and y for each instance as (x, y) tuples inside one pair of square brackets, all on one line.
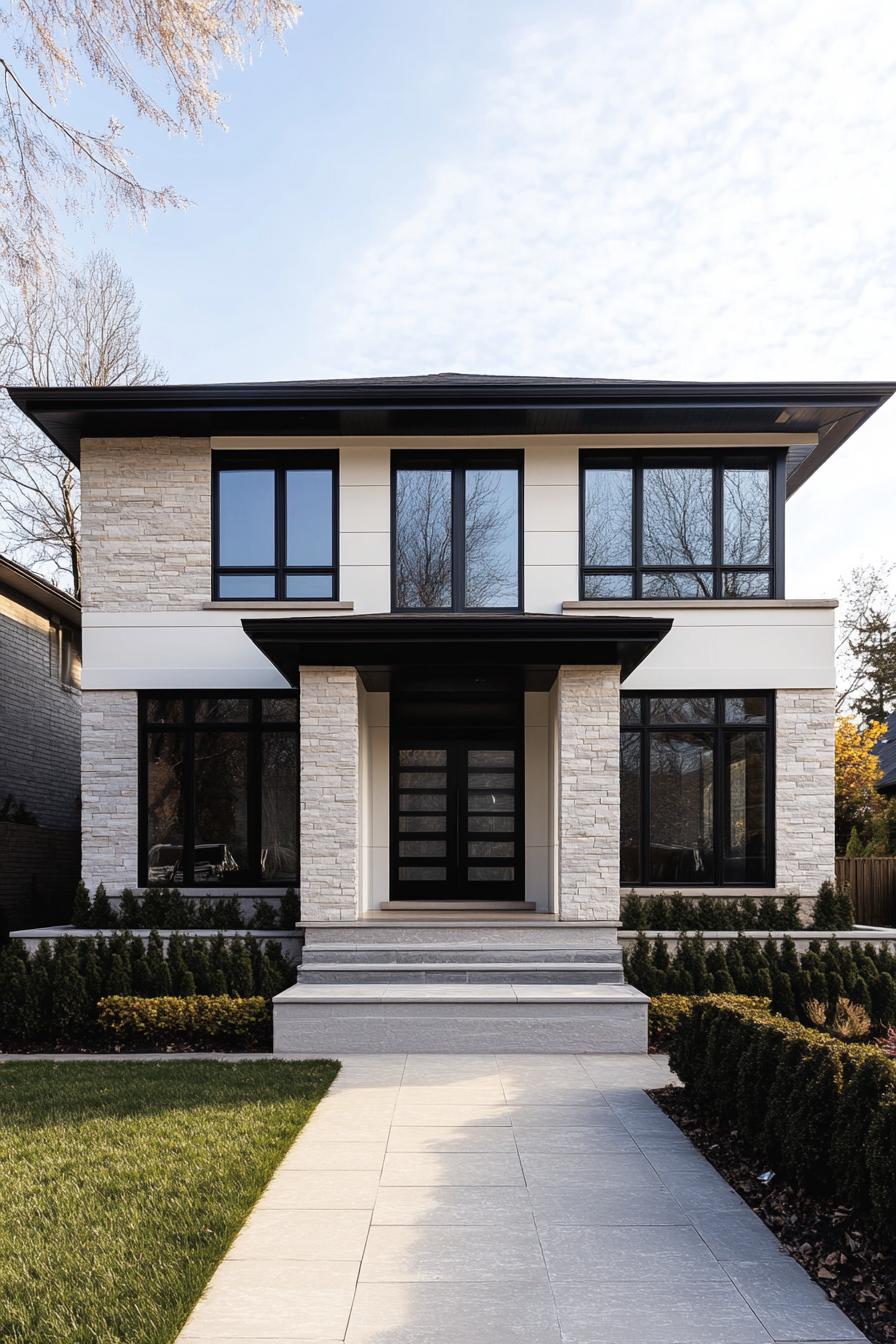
[(38, 591)]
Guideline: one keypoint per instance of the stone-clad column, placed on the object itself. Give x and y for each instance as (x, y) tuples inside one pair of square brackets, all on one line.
[(588, 782), (804, 795), (328, 793)]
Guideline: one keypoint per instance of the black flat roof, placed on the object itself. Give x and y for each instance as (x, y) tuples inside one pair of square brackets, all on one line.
[(383, 646), (460, 404)]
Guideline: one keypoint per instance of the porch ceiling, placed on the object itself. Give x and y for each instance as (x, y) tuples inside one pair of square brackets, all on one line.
[(382, 646)]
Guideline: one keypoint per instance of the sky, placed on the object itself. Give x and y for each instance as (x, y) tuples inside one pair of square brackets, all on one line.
[(637, 189)]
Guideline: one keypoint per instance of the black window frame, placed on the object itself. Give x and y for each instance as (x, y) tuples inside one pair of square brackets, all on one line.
[(253, 727), (280, 462), (719, 461), (457, 463), (722, 731)]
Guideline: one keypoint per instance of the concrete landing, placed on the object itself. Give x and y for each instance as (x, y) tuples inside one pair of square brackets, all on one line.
[(494, 1199), (460, 1018)]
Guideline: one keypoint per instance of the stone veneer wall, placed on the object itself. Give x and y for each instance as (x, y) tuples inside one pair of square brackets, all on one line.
[(588, 776), (146, 523), (804, 790), (109, 789), (329, 769)]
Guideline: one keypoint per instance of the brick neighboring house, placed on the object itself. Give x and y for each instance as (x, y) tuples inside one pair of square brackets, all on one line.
[(40, 747), (465, 656)]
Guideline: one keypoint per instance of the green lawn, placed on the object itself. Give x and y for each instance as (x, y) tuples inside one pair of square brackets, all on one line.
[(122, 1185)]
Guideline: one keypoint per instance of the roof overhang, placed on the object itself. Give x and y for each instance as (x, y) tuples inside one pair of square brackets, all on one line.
[(37, 592), (386, 648), (460, 404)]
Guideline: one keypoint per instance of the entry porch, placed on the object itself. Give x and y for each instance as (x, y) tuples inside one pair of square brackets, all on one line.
[(465, 761)]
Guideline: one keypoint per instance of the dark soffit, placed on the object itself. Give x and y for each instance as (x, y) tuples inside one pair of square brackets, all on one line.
[(387, 647)]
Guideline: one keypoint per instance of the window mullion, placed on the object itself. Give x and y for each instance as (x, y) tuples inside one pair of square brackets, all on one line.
[(638, 524), (458, 538), (189, 738), (253, 791)]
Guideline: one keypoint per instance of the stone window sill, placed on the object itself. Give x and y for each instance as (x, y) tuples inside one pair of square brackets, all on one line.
[(239, 604)]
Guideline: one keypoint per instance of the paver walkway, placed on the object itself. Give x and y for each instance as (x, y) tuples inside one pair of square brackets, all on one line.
[(457, 1199)]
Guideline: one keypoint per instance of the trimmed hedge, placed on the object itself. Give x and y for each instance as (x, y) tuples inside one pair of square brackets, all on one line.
[(680, 913), (198, 1022), (49, 1001), (827, 971), (819, 1112), (665, 1011), (169, 908), (832, 910)]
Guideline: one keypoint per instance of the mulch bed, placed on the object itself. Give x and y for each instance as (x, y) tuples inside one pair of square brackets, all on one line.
[(826, 1239)]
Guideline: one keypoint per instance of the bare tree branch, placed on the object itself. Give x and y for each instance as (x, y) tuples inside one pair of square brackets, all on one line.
[(82, 330), (47, 164)]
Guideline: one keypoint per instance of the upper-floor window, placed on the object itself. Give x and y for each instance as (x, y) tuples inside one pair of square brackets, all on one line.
[(680, 527), (456, 532), (274, 526)]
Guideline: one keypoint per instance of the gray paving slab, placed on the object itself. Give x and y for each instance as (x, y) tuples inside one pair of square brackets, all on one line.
[(681, 1313), (462, 1254), (495, 1199), (452, 1139), (640, 1254), (447, 1206), (788, 1303), (453, 1313)]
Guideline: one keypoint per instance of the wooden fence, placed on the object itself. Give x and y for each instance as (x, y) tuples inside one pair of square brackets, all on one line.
[(872, 883)]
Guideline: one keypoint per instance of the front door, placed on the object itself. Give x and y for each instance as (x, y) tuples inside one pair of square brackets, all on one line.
[(456, 830)]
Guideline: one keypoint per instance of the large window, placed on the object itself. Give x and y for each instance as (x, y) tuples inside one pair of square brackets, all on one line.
[(218, 789), (274, 526), (696, 798), (669, 528), (456, 532)]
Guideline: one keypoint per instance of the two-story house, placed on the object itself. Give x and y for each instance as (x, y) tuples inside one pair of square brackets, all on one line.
[(462, 656)]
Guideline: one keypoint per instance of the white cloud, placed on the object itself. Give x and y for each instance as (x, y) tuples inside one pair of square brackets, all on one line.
[(669, 191)]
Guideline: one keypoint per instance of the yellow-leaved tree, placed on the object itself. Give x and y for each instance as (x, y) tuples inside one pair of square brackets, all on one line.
[(857, 772)]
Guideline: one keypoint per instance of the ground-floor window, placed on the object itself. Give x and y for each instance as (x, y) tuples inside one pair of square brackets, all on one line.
[(697, 783), (218, 789)]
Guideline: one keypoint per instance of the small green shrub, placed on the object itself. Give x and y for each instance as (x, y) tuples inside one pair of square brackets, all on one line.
[(198, 1022), (820, 1112), (833, 908)]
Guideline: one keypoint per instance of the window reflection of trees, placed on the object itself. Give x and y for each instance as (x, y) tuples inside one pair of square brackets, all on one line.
[(608, 517), (490, 532), (425, 544), (423, 538), (678, 517), (746, 515)]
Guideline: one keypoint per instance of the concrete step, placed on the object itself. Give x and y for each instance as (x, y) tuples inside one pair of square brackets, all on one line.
[(450, 907), (460, 972), (356, 1018), (468, 953), (533, 931)]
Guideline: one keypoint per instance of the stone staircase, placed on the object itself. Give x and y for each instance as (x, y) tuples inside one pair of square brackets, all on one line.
[(460, 984)]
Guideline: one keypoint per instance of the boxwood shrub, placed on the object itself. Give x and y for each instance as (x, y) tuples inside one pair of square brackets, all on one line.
[(197, 1022), (48, 1001), (819, 1112)]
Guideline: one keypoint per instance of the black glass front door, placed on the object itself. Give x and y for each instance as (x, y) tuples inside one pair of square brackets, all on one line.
[(456, 831)]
